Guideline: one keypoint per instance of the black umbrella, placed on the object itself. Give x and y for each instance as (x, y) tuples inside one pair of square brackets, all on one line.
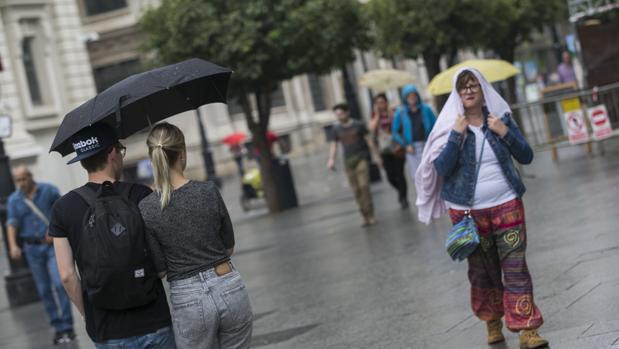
[(142, 99)]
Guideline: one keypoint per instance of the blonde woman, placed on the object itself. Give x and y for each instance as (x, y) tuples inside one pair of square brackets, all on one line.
[(191, 238)]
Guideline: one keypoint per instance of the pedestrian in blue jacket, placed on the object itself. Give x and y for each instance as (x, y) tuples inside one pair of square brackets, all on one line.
[(411, 126)]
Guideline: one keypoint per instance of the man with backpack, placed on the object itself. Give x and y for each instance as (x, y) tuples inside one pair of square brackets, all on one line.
[(98, 227)]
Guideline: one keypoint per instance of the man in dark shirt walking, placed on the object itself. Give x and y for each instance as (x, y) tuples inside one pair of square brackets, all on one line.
[(146, 326), (357, 148)]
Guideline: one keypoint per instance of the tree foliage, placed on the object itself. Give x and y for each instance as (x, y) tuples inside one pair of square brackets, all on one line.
[(264, 42), (414, 28), (512, 22)]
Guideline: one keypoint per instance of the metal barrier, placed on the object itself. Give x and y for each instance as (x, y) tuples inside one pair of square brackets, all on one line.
[(543, 122)]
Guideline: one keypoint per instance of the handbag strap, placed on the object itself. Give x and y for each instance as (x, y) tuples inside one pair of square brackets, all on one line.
[(36, 210), (481, 154)]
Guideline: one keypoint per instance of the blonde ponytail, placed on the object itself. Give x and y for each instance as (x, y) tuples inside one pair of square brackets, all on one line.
[(165, 143)]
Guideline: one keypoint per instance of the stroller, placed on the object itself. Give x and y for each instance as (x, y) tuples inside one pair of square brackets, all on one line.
[(251, 188)]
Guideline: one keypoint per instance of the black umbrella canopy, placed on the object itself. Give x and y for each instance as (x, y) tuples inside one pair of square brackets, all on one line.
[(143, 99)]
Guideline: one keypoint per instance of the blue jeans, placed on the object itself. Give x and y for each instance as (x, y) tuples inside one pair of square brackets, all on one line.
[(42, 262), (160, 339), (210, 311)]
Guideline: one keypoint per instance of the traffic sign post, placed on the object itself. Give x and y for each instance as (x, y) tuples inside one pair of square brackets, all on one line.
[(598, 116), (576, 127)]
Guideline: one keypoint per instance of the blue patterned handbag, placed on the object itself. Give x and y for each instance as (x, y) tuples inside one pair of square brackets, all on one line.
[(463, 238)]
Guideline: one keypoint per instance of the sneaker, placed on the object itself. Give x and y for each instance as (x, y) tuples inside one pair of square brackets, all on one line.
[(64, 337), (530, 339), (368, 222), (71, 334)]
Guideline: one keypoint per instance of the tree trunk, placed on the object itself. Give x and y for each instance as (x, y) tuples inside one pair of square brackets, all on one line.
[(433, 67), (508, 53), (349, 93), (433, 64), (258, 130), (269, 179)]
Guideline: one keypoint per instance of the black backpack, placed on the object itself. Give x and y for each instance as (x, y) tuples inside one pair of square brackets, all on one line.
[(116, 269)]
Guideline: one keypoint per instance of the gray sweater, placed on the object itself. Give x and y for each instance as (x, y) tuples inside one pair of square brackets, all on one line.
[(191, 234)]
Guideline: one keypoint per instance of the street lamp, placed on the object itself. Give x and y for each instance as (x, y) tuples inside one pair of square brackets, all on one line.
[(20, 287)]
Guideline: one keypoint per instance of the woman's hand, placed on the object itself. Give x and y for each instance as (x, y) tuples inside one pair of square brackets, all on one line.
[(461, 124), (373, 127), (497, 126)]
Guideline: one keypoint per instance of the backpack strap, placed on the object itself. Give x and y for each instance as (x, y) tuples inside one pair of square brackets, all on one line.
[(87, 194), (125, 189)]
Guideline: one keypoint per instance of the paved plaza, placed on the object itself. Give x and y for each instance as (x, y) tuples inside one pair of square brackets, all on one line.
[(318, 280)]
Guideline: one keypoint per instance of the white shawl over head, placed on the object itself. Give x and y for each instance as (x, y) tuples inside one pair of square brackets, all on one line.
[(428, 183)]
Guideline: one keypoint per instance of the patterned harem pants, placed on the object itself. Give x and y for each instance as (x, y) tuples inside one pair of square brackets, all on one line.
[(500, 280)]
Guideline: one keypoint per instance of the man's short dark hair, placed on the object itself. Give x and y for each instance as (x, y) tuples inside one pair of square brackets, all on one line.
[(341, 106), (98, 161)]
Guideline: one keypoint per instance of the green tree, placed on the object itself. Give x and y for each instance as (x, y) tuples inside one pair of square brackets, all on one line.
[(514, 21), (510, 23), (264, 42), (414, 28)]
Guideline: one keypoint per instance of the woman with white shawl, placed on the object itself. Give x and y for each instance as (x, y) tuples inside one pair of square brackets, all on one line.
[(468, 160)]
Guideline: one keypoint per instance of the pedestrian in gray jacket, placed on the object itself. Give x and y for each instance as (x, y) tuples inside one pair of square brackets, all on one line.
[(191, 238)]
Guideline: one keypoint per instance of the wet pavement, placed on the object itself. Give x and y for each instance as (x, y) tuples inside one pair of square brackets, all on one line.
[(318, 280)]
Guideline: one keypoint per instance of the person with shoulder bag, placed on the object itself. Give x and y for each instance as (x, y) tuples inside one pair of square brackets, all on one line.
[(357, 148), (482, 185), (28, 215), (391, 152), (412, 123)]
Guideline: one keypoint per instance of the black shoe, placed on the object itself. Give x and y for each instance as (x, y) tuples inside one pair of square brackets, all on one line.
[(64, 337), (71, 334), (404, 204)]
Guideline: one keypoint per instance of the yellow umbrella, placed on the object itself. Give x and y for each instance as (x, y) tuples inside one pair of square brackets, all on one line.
[(492, 69), (381, 80)]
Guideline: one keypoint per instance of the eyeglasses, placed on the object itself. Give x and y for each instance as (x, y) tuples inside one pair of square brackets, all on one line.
[(121, 149), (472, 87)]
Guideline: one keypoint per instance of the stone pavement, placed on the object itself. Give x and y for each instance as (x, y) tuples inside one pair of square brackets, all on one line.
[(318, 280)]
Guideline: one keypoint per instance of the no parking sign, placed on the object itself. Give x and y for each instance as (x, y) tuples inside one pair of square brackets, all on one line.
[(576, 127), (599, 122)]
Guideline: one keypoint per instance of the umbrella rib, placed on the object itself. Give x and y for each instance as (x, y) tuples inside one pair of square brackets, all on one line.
[(92, 111), (218, 92)]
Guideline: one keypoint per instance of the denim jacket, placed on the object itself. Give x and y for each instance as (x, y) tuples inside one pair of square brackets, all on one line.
[(457, 163), (22, 218)]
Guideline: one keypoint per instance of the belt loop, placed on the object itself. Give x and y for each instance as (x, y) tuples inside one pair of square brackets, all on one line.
[(203, 281)]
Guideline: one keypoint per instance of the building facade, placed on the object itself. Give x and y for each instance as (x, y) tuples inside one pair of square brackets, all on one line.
[(46, 72)]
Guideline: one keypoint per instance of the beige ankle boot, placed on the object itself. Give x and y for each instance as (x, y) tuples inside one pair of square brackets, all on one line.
[(494, 331), (530, 339)]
